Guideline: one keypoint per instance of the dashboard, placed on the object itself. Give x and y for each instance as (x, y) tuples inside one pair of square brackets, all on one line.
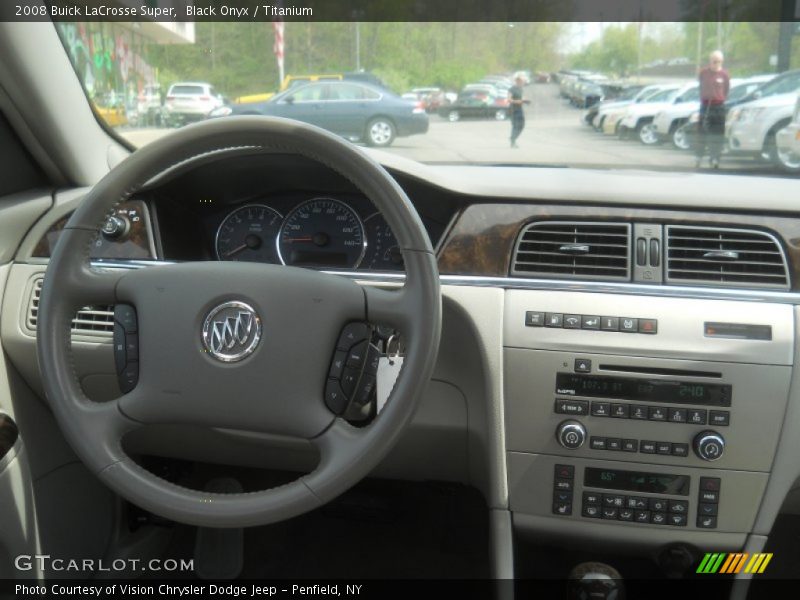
[(618, 369)]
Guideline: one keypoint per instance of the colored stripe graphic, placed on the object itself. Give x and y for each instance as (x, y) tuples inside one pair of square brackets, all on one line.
[(730, 563)]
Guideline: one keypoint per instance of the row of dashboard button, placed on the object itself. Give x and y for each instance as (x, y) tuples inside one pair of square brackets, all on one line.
[(656, 511), (666, 414), (645, 446), (592, 322)]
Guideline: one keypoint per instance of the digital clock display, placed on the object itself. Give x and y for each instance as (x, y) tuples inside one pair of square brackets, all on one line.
[(637, 481), (650, 390)]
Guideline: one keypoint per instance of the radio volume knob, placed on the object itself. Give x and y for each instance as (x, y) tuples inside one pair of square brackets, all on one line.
[(709, 445), (571, 434)]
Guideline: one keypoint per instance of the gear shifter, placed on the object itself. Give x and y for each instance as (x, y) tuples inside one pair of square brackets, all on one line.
[(595, 581)]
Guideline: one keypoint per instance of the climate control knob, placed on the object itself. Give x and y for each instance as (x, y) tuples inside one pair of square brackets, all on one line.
[(709, 445), (571, 434)]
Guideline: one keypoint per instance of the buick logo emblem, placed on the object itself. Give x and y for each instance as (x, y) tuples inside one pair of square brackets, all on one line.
[(231, 331)]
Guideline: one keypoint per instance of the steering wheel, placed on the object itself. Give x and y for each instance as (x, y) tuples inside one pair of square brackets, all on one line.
[(278, 387)]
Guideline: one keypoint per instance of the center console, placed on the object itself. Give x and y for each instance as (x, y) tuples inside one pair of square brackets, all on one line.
[(642, 419)]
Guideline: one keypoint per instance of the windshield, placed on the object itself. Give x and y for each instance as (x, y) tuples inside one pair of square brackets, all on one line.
[(443, 92)]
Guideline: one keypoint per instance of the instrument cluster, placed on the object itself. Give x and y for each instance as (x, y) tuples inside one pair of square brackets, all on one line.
[(320, 232)]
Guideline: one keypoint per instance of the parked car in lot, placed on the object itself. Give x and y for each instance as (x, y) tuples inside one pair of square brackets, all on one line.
[(476, 103), (430, 97), (751, 127), (357, 111), (190, 101), (625, 95), (609, 114), (638, 118), (788, 143)]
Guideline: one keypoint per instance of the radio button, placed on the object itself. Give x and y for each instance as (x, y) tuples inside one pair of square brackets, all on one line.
[(707, 510), (609, 323), (647, 447), (613, 444), (630, 445), (697, 416), (620, 411), (583, 365), (592, 498), (534, 319), (681, 450), (591, 511), (677, 520), (656, 413), (659, 504), (639, 412), (663, 448), (554, 320), (601, 409), (613, 500), (641, 516), (625, 514), (677, 415), (628, 325), (572, 407), (719, 417), (658, 518), (597, 443), (709, 497)]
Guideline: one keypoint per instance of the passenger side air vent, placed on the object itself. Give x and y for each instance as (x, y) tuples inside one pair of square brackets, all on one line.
[(729, 257), (95, 321), (575, 250)]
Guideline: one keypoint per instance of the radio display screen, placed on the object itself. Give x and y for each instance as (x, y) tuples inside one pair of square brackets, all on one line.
[(636, 481), (650, 390)]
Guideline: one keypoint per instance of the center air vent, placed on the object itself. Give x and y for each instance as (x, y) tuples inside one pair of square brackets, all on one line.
[(95, 321), (730, 257), (575, 250)]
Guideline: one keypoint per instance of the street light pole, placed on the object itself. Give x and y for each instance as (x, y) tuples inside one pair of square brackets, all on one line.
[(358, 46)]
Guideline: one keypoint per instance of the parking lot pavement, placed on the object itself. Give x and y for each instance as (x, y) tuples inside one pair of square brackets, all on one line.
[(554, 135)]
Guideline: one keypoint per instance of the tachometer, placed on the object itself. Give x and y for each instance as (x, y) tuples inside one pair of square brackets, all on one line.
[(248, 234), (322, 232)]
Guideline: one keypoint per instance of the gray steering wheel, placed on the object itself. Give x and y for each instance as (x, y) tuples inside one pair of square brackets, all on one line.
[(278, 389)]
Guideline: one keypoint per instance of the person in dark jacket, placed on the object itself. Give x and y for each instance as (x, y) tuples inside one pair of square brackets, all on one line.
[(515, 109), (714, 86)]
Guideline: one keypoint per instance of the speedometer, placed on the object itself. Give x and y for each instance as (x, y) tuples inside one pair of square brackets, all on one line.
[(322, 232), (248, 234)]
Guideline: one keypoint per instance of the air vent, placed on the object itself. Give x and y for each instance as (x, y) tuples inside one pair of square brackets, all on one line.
[(575, 250), (95, 321), (729, 257)]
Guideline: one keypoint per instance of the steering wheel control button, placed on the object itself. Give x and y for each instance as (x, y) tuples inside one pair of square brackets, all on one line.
[(132, 348), (709, 445), (357, 354), (373, 360), (534, 319), (125, 315), (352, 334), (365, 389), (231, 331), (119, 348), (129, 377), (337, 365), (335, 398), (571, 434), (583, 365), (349, 380)]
